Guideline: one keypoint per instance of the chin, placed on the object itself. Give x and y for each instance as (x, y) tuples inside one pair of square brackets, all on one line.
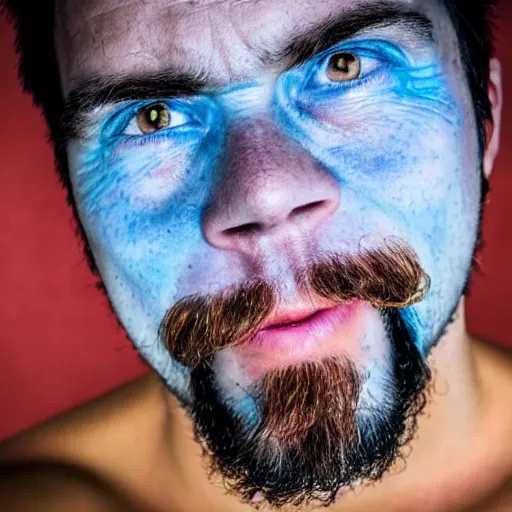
[(300, 433)]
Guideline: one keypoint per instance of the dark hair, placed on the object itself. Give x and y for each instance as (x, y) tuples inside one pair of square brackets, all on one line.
[(34, 20)]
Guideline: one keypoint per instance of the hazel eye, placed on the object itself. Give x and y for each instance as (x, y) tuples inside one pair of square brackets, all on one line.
[(343, 66), (154, 117)]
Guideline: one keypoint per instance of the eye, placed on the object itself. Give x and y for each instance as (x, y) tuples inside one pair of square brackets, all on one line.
[(154, 117), (343, 66)]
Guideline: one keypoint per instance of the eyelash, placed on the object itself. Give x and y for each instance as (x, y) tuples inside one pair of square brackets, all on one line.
[(387, 54), (384, 53), (116, 125)]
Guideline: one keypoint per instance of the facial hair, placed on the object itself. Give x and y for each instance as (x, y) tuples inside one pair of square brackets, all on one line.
[(388, 276), (312, 437), (335, 446)]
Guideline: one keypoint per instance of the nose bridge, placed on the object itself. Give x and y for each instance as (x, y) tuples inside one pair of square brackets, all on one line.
[(268, 185), (241, 101), (263, 158)]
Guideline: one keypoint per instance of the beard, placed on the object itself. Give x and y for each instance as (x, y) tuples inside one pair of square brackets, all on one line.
[(316, 434), (314, 428)]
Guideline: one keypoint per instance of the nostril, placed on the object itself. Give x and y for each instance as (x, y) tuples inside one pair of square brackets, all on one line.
[(244, 229), (308, 208)]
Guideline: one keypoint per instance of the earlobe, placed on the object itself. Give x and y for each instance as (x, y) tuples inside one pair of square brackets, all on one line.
[(493, 128)]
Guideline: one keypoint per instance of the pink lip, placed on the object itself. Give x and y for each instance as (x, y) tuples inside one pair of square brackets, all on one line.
[(290, 319), (300, 334), (291, 337)]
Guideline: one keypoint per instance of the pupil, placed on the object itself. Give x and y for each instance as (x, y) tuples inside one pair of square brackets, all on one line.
[(153, 116), (344, 61)]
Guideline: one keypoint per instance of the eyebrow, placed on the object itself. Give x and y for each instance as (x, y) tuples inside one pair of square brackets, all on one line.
[(100, 91), (332, 31)]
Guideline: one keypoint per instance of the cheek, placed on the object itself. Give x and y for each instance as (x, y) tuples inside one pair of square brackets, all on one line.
[(131, 208), (140, 196), (134, 176), (407, 167), (401, 145), (417, 168), (412, 172), (148, 176)]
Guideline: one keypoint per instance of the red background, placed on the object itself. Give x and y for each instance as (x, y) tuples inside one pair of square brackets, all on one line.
[(59, 342)]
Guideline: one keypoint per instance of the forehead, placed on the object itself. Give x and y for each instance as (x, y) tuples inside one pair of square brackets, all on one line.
[(224, 38)]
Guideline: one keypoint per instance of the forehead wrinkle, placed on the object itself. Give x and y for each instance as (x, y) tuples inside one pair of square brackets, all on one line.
[(87, 19), (203, 4), (221, 44), (164, 42), (91, 11), (238, 31)]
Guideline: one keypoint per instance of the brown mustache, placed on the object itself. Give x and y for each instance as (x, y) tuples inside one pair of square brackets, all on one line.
[(389, 276)]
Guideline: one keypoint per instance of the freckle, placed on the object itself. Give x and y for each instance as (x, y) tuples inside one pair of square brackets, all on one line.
[(190, 266)]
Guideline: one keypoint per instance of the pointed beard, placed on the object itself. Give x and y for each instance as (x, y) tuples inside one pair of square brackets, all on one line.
[(313, 435)]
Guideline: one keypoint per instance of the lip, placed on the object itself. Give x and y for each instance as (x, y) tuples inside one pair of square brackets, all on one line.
[(291, 319), (304, 334), (329, 331)]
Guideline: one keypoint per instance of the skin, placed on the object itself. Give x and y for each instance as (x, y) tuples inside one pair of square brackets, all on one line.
[(469, 470), (138, 195), (150, 195)]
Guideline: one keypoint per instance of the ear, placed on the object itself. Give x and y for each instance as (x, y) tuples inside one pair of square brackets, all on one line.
[(493, 129)]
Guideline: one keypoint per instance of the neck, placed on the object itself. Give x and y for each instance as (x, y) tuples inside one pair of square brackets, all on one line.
[(450, 419), (445, 444), (455, 402)]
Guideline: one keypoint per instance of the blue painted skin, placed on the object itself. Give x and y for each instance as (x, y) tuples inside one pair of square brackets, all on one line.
[(390, 139)]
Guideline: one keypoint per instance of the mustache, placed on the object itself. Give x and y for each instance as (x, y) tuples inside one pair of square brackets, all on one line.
[(387, 276)]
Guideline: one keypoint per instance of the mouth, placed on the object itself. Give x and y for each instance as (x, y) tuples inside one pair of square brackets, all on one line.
[(289, 337), (292, 319), (300, 330)]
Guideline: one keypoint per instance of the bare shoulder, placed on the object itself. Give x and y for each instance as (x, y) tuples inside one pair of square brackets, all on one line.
[(101, 426), (59, 487), (91, 454), (493, 367), (493, 371), (499, 501)]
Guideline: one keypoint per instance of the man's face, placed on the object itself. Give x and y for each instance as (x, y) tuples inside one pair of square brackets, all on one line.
[(269, 188)]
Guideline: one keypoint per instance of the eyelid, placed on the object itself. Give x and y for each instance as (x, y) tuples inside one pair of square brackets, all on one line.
[(372, 48), (178, 118), (376, 50), (124, 117)]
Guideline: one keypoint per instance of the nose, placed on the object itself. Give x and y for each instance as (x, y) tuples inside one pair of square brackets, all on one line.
[(269, 187)]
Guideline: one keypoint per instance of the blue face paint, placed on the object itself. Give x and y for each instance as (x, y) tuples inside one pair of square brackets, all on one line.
[(378, 135), (120, 161), (388, 138)]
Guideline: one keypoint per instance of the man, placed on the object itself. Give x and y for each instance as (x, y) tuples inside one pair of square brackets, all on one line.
[(283, 200)]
